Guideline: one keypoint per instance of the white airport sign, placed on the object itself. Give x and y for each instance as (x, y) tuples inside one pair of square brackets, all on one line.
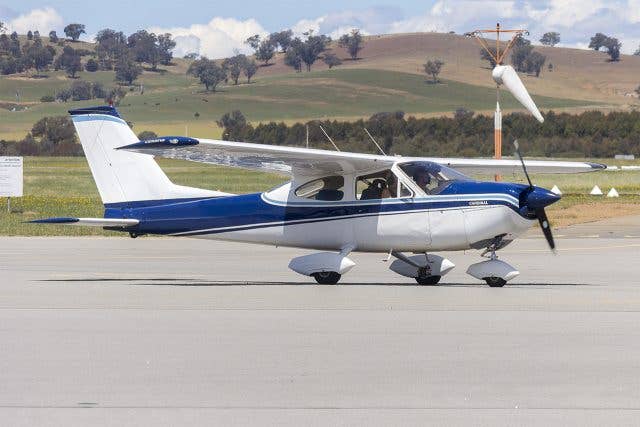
[(10, 176)]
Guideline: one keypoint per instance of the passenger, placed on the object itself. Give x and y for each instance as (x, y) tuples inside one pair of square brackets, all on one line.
[(390, 192)]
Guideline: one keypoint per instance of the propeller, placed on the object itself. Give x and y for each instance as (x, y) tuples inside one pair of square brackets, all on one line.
[(507, 76), (534, 199)]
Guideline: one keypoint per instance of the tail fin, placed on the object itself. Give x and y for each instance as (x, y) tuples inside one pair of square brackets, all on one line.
[(123, 176)]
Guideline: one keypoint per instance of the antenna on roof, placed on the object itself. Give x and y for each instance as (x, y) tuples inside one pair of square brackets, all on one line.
[(329, 138), (374, 141)]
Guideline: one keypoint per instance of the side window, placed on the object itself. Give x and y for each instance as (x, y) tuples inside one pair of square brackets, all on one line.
[(380, 185), (329, 188)]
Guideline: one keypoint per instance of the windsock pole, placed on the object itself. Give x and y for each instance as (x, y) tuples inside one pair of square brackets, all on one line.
[(497, 135)]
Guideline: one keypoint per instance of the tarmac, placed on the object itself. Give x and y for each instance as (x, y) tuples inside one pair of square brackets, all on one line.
[(163, 332)]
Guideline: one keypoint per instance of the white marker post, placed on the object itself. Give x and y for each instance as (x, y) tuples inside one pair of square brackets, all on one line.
[(11, 178)]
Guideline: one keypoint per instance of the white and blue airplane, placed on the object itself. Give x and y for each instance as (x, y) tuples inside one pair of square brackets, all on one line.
[(336, 202)]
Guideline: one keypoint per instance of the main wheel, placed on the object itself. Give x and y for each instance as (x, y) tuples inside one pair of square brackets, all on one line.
[(495, 282), (428, 280), (327, 277)]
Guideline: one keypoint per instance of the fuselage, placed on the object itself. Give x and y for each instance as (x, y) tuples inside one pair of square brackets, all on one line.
[(464, 215)]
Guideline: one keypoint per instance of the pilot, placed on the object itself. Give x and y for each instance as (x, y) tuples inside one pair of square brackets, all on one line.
[(423, 179)]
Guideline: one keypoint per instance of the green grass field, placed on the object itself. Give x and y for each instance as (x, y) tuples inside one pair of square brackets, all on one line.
[(170, 100), (64, 187)]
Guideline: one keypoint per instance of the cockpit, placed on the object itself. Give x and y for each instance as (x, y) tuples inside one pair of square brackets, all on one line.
[(403, 180), (431, 177)]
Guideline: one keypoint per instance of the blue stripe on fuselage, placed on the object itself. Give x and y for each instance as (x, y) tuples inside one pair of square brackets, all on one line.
[(233, 213)]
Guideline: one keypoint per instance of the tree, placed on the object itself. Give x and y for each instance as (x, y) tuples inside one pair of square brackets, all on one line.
[(166, 44), (38, 57), (637, 52), (534, 63), (489, 57), (53, 36), (54, 129), (144, 47), (613, 46), (282, 39), (111, 46), (293, 57), (29, 35), (597, 41), (331, 60), (253, 41), (265, 51), (235, 126), (147, 134), (91, 65), (250, 69), (551, 38), (74, 31), (2, 27), (127, 70), (73, 65), (234, 66), (209, 73), (36, 35), (433, 68), (353, 43), (312, 48), (519, 53), (69, 60), (81, 90)]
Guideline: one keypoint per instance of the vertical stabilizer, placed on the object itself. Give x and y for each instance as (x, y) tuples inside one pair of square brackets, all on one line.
[(123, 176)]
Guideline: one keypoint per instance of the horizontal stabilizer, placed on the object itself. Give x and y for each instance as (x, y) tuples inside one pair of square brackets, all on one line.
[(90, 222)]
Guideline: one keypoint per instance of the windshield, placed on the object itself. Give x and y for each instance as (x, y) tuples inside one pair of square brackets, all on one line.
[(431, 177)]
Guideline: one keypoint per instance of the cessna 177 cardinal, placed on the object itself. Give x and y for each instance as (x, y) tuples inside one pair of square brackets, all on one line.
[(336, 202)]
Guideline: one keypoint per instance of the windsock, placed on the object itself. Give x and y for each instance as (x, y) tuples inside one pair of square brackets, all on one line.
[(507, 76)]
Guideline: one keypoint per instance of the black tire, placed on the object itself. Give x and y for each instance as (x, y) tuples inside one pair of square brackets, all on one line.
[(428, 280), (495, 282), (327, 277)]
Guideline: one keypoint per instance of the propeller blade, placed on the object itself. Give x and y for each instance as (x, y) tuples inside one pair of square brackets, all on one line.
[(507, 76), (524, 167), (546, 228)]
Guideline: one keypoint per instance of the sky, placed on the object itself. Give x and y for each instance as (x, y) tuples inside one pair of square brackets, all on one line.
[(217, 29)]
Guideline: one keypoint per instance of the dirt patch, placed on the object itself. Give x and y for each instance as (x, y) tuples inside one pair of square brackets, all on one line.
[(590, 212)]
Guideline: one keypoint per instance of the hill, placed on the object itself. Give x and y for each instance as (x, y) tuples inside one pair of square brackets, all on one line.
[(388, 77)]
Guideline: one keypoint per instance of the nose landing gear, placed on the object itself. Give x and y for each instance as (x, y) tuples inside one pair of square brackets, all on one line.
[(494, 272)]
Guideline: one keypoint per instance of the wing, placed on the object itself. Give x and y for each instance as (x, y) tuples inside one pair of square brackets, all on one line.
[(299, 161), (513, 166), (289, 160)]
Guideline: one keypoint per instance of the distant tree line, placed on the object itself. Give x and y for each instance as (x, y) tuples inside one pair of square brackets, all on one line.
[(589, 134)]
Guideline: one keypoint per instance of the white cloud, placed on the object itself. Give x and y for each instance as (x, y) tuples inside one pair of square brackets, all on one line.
[(217, 39), (44, 20)]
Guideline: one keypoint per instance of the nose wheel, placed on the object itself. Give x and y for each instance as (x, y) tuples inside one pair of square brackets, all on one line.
[(428, 280), (495, 282), (327, 277)]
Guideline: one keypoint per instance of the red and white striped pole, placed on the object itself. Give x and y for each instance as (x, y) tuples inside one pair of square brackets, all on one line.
[(497, 135)]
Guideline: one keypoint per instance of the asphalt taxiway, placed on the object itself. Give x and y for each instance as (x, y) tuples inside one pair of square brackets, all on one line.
[(152, 331)]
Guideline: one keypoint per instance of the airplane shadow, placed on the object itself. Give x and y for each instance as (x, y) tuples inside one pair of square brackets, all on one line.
[(228, 283)]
